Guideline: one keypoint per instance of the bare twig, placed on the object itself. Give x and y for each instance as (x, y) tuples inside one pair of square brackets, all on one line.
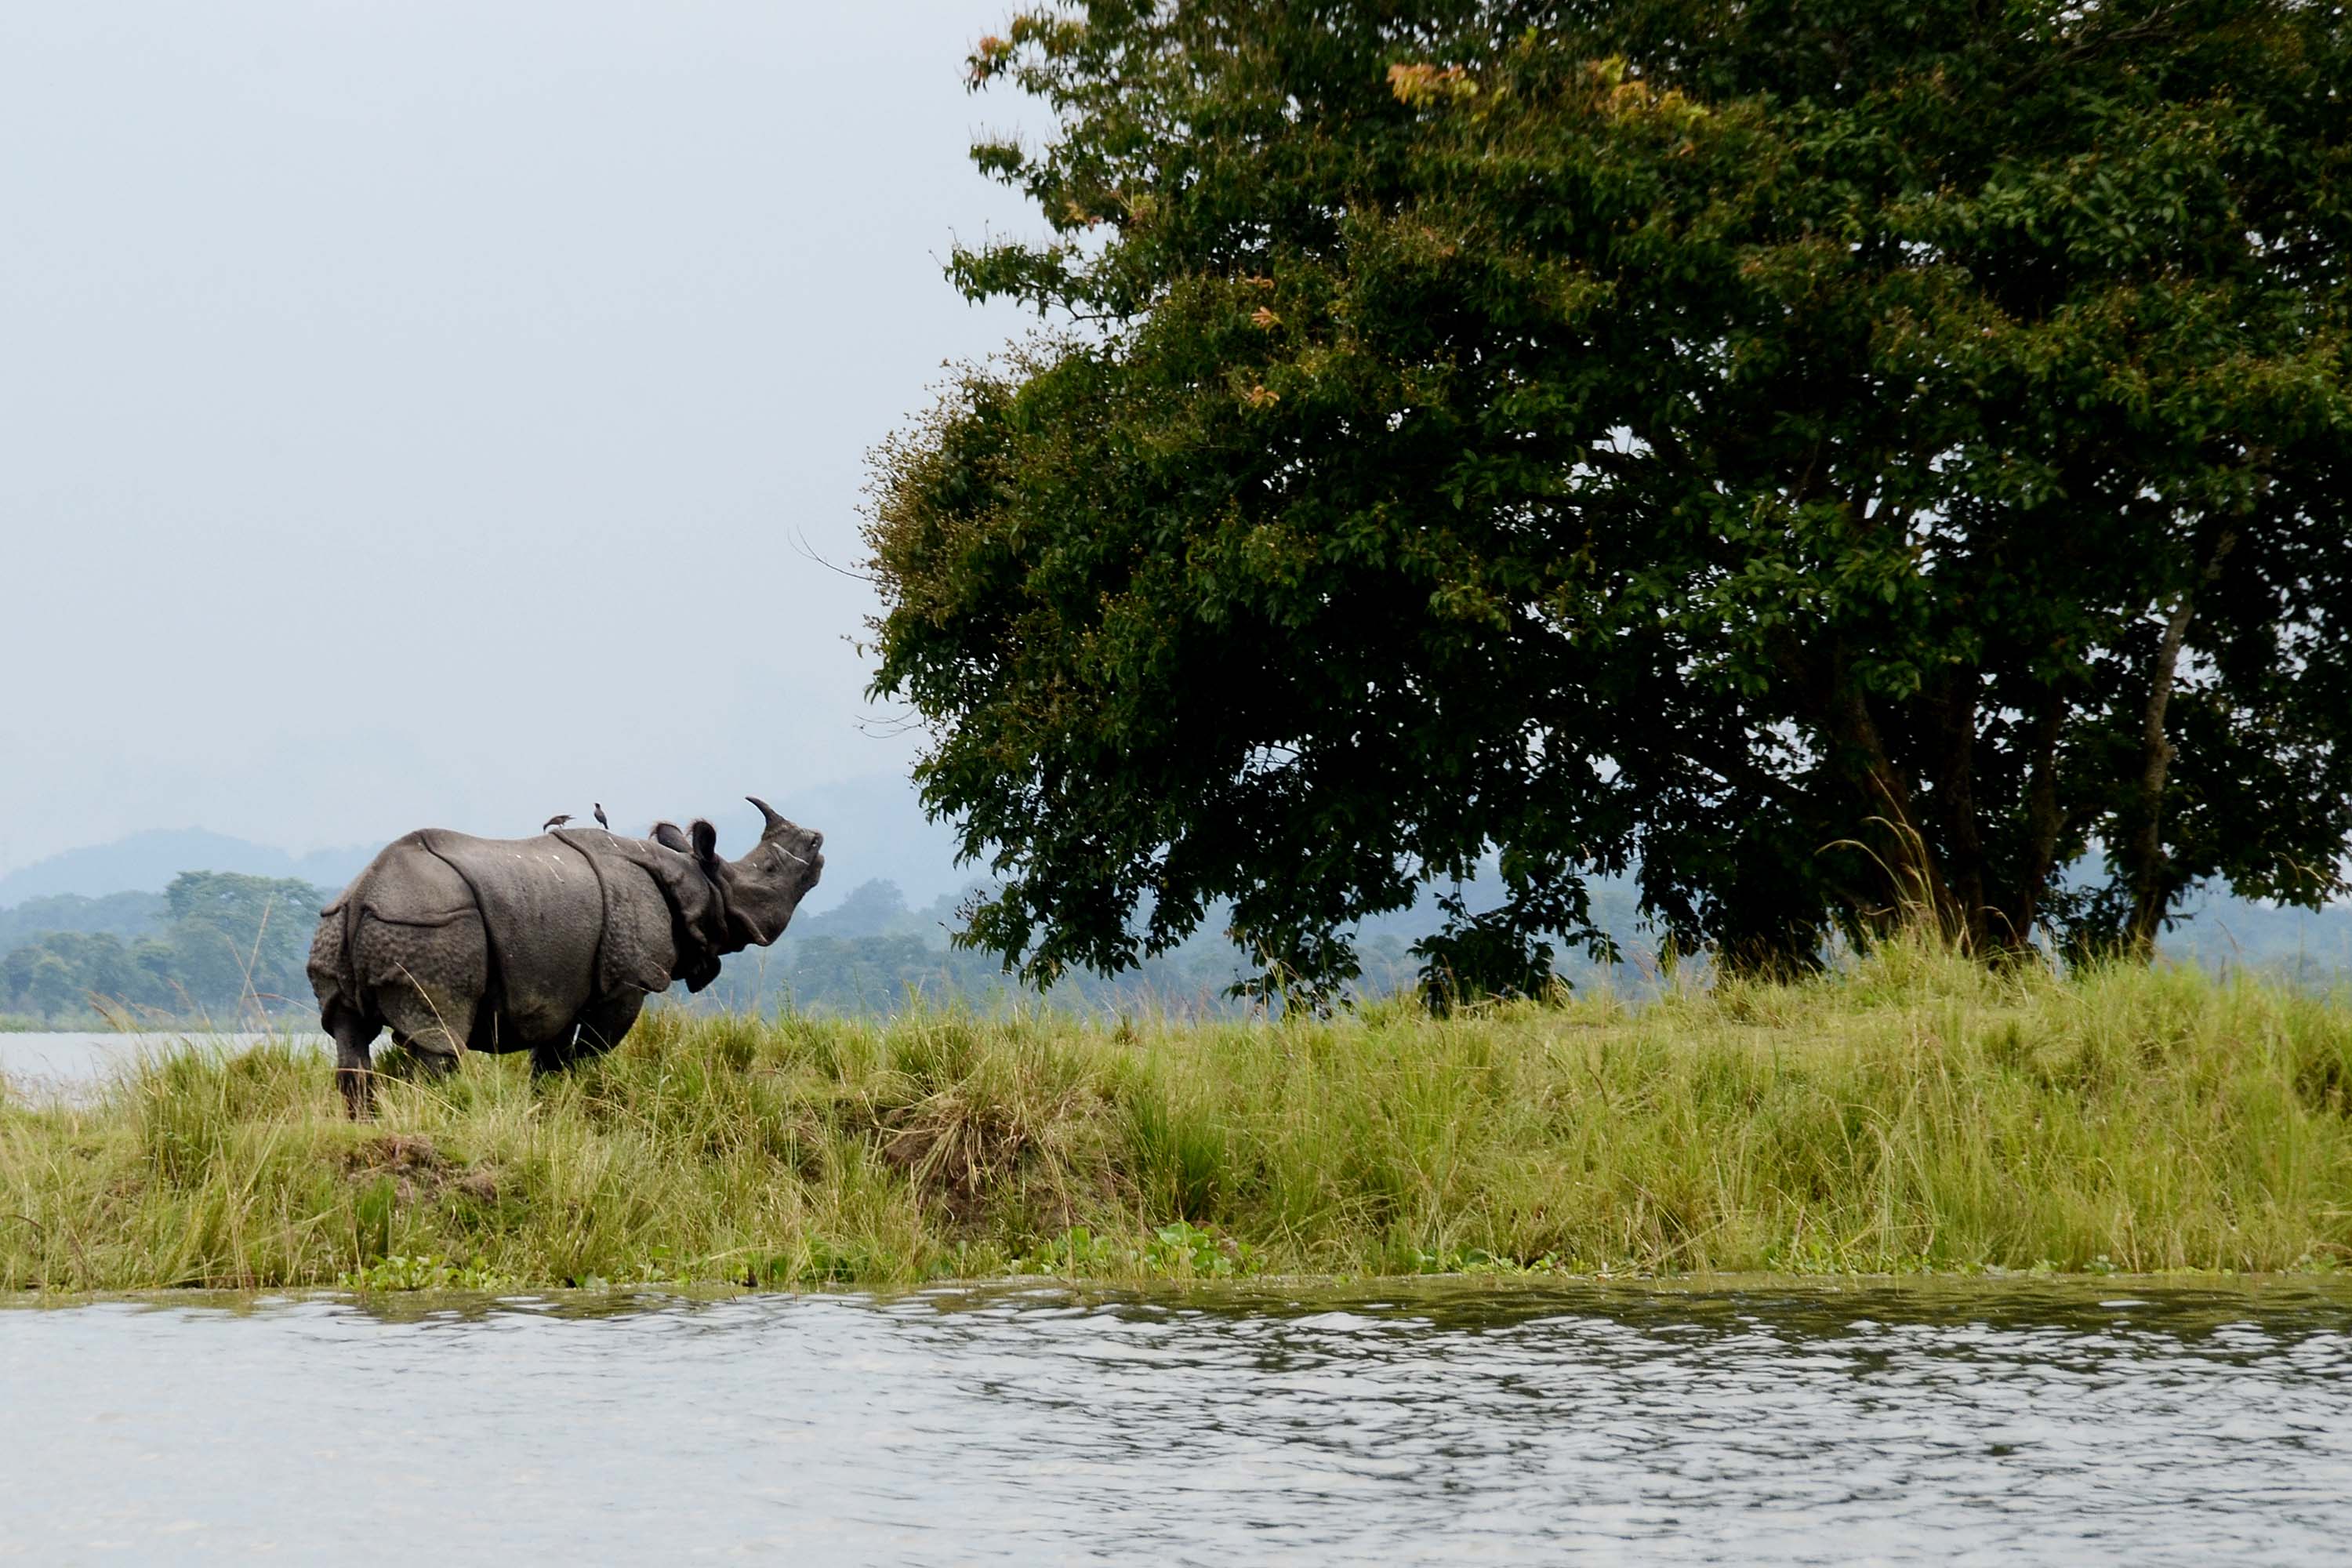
[(802, 548)]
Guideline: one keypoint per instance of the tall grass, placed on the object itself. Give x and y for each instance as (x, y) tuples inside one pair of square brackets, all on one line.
[(1919, 1113)]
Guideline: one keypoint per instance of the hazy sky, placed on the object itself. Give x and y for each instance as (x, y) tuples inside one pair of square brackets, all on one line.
[(408, 409)]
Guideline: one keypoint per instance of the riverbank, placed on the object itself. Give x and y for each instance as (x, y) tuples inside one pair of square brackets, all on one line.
[(1917, 1115)]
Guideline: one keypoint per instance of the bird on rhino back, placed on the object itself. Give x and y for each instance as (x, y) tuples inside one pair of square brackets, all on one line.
[(549, 945)]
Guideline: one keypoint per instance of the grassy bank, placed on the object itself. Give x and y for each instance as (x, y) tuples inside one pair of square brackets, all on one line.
[(1919, 1114)]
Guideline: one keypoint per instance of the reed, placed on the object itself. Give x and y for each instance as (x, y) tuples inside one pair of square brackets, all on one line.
[(1918, 1112)]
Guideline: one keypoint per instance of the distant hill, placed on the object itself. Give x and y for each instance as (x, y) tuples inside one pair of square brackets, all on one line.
[(146, 862), (2224, 933), (874, 829)]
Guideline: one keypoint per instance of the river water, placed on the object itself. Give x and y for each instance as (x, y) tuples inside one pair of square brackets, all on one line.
[(76, 1060), (1454, 1422)]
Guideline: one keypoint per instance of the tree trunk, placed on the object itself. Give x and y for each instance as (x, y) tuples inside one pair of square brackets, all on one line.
[(2152, 887), (1964, 917), (1910, 864), (2043, 822)]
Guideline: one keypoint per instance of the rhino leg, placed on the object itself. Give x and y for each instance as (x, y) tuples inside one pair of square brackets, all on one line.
[(430, 1023), (601, 1028), (425, 977), (607, 1023), (354, 1073)]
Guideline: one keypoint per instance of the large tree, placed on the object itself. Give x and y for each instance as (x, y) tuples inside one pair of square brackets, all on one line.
[(1845, 460), (238, 939)]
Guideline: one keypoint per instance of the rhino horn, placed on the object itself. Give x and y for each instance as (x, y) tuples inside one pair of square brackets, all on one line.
[(775, 818)]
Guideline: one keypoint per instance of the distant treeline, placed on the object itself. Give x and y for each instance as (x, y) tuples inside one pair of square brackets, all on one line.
[(872, 951), (214, 944), (220, 945)]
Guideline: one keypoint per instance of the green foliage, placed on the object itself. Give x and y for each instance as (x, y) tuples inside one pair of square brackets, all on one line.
[(1177, 1251), (1846, 460), (232, 944), (126, 915), (429, 1273), (240, 937), (1917, 1113)]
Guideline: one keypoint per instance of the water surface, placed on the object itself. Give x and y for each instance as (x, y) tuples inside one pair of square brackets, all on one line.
[(75, 1061), (1453, 1422)]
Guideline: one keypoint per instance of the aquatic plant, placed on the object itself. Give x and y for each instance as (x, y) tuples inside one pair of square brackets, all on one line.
[(1918, 1112), (1177, 1251)]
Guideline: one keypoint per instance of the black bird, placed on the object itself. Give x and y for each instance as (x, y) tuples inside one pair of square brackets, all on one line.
[(600, 815), (552, 823)]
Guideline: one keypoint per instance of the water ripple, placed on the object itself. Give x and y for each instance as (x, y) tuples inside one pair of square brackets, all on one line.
[(1750, 1424)]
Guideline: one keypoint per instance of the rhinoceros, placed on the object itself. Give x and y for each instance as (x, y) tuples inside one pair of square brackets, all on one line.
[(549, 945)]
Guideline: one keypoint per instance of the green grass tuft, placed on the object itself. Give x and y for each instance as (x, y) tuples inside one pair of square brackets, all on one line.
[(1920, 1113)]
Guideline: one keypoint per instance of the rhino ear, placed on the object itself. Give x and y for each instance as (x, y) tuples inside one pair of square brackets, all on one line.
[(668, 835), (706, 840)]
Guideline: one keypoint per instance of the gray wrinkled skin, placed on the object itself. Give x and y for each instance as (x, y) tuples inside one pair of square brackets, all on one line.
[(549, 945)]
